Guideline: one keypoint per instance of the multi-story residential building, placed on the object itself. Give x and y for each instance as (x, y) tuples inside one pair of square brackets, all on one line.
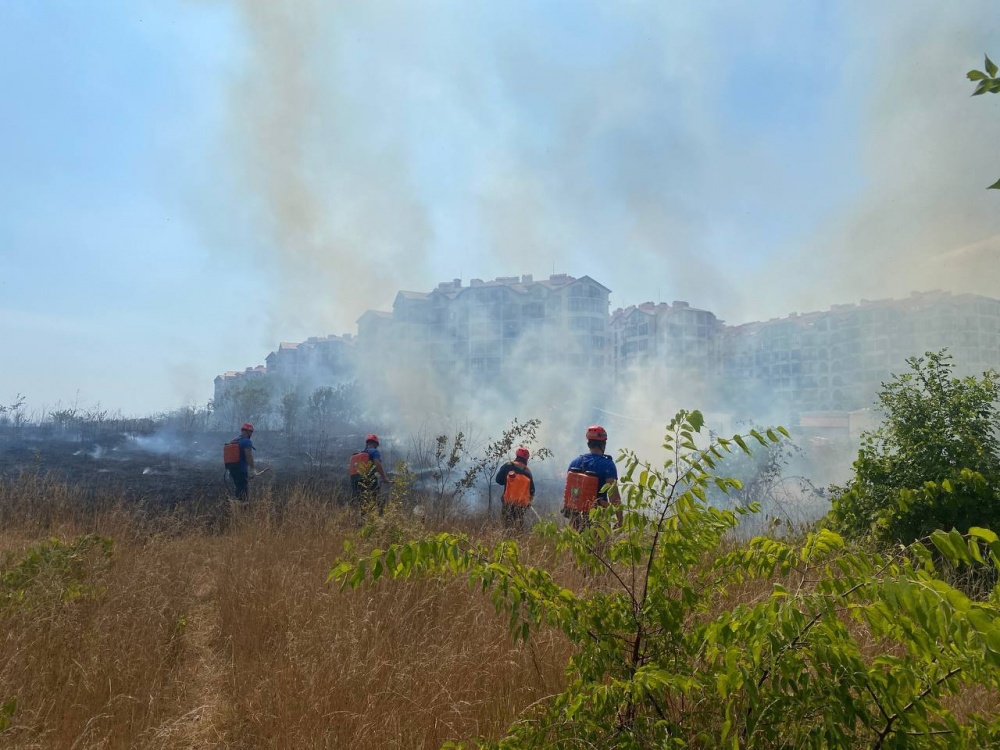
[(838, 359), (488, 327), (234, 379), (317, 360), (675, 336), (811, 363)]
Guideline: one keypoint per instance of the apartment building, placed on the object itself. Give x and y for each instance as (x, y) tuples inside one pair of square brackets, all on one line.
[(317, 360), (812, 363), (232, 379), (489, 328), (837, 359), (675, 336)]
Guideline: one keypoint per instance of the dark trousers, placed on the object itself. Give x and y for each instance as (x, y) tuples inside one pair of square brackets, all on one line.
[(242, 482), (512, 516)]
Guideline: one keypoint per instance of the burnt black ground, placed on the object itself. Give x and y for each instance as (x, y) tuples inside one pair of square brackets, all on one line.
[(169, 473)]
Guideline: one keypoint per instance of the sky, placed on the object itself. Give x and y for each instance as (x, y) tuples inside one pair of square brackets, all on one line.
[(186, 183)]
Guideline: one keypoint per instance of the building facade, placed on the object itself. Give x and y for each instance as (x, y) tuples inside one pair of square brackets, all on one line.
[(321, 360), (488, 329), (837, 359), (673, 336), (812, 363), (233, 379)]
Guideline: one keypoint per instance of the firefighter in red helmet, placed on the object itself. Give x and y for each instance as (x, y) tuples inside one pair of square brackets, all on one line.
[(519, 489), (366, 469), (242, 468), (592, 479)]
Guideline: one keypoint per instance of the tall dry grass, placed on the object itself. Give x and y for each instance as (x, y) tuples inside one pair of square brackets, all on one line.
[(205, 629), (198, 636)]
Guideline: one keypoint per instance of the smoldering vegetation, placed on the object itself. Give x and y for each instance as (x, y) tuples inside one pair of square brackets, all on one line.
[(444, 462)]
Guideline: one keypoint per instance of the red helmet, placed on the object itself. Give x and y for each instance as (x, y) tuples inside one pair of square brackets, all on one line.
[(373, 438), (596, 432), (247, 426), (522, 453)]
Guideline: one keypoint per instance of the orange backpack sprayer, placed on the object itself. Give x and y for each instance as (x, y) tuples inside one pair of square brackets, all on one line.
[(361, 463), (581, 490), (517, 490), (231, 455)]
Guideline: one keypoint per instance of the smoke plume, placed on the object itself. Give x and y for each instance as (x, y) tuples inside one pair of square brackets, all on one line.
[(753, 158)]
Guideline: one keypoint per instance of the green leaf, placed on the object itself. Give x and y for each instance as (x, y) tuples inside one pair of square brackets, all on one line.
[(958, 543), (696, 420), (974, 551), (7, 711), (975, 75), (985, 534), (994, 186), (941, 540), (738, 439), (991, 67), (339, 571), (993, 640)]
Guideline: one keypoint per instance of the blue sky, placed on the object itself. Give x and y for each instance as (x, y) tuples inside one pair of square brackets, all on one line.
[(187, 183)]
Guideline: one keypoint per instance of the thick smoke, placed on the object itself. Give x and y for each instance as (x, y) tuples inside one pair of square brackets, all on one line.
[(752, 158), (323, 176), (385, 147)]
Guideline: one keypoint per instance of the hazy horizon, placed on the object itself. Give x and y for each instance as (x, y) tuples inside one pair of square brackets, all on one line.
[(189, 183)]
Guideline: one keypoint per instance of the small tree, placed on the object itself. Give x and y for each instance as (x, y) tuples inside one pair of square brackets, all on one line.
[(448, 488), (13, 414), (250, 401), (934, 462), (320, 408), (497, 452), (765, 479), (291, 411)]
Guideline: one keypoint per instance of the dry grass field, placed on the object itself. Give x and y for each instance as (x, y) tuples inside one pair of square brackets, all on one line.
[(187, 638), (186, 634)]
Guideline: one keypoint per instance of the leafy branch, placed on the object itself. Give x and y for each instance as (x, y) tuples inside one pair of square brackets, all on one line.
[(989, 83)]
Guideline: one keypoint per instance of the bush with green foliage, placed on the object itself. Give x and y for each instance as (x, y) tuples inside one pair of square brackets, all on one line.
[(54, 570), (934, 463), (834, 649)]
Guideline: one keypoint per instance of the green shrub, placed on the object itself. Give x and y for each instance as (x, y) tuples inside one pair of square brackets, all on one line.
[(933, 464), (684, 640), (54, 570)]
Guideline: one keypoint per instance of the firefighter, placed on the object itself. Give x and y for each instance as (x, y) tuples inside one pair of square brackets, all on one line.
[(366, 469), (592, 479), (242, 469), (519, 489)]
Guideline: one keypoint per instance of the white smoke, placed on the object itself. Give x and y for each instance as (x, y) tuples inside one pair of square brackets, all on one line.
[(377, 146)]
